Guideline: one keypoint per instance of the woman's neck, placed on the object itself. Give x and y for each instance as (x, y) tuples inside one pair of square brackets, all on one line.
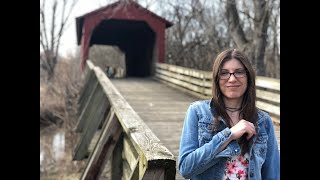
[(232, 103), (233, 108)]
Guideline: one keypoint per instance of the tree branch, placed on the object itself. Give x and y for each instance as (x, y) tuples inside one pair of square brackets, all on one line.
[(234, 24), (42, 16), (53, 25)]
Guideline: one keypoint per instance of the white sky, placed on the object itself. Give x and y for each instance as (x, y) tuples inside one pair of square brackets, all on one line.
[(69, 38)]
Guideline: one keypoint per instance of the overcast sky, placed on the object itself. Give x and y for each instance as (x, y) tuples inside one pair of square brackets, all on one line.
[(69, 38)]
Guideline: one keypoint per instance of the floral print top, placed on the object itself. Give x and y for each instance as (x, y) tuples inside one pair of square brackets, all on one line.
[(237, 168)]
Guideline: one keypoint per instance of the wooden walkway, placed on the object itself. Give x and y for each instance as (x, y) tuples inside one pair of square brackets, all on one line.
[(161, 107)]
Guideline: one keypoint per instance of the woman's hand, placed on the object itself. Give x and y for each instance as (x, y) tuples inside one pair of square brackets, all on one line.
[(242, 127)]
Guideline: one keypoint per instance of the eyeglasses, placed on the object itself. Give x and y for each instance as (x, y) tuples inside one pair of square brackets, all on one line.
[(237, 74)]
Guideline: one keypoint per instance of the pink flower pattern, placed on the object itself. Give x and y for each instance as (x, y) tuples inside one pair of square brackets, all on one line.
[(237, 168)]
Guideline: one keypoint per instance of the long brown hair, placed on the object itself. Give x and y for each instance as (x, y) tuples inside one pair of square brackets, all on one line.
[(248, 107)]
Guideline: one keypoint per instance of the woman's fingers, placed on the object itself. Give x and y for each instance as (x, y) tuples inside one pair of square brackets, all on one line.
[(242, 127), (250, 129)]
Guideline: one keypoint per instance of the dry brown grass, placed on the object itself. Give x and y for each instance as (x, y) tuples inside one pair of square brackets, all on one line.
[(58, 97), (58, 106)]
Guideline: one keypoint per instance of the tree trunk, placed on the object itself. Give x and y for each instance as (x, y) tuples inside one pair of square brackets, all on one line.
[(255, 48)]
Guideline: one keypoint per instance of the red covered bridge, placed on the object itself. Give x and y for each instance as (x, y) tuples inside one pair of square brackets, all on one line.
[(138, 32)]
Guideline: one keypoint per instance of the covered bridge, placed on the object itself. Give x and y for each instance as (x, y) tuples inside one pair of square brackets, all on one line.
[(138, 32)]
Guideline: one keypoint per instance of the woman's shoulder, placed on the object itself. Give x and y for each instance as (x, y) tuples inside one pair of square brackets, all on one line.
[(200, 106), (264, 118), (200, 103)]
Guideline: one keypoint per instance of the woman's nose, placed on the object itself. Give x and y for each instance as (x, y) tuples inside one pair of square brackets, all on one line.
[(232, 77)]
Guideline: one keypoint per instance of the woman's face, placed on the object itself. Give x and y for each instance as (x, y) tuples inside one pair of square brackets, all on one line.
[(235, 86)]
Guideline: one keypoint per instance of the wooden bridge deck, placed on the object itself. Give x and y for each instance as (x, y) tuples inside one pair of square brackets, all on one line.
[(161, 107)]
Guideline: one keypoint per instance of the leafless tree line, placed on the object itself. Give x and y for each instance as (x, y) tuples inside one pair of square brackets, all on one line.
[(54, 18), (203, 28)]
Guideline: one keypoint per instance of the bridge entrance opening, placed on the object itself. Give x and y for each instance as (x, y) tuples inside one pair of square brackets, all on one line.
[(134, 38), (110, 59)]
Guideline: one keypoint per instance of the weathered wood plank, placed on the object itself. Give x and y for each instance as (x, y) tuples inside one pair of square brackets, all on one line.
[(116, 159), (87, 88), (86, 108), (186, 71), (143, 139), (99, 108), (97, 135), (275, 110), (182, 89), (128, 173), (199, 82), (89, 65), (96, 116), (93, 142), (186, 85), (269, 83), (268, 96), (90, 109), (104, 148), (129, 153), (154, 174), (88, 74)]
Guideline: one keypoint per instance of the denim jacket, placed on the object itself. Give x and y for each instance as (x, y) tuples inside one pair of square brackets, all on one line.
[(198, 154)]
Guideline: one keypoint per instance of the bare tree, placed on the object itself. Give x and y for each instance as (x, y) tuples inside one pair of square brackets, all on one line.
[(197, 35), (53, 22), (273, 50), (255, 45), (203, 28)]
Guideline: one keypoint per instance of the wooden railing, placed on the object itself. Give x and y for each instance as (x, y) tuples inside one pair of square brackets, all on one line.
[(199, 83), (109, 124)]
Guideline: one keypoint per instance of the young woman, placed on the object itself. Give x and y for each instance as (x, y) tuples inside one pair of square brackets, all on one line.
[(228, 137)]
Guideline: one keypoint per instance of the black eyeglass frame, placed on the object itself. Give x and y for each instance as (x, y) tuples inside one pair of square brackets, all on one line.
[(242, 74)]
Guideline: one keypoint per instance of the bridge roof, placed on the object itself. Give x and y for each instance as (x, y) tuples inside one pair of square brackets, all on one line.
[(111, 8)]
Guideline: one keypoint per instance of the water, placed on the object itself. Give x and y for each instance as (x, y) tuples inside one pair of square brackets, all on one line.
[(56, 148)]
